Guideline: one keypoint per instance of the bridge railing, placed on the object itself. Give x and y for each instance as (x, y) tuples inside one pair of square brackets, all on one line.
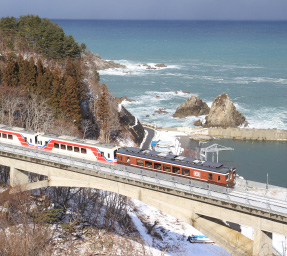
[(245, 197)]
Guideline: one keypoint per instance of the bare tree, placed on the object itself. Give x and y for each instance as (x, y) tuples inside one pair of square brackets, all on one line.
[(20, 232), (36, 114)]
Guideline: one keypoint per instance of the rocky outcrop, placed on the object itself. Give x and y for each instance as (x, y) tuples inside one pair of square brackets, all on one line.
[(193, 106), (132, 125), (197, 123), (106, 64), (124, 98), (161, 111), (95, 62), (223, 113)]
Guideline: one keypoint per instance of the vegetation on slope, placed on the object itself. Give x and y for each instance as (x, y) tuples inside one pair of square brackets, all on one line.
[(31, 33)]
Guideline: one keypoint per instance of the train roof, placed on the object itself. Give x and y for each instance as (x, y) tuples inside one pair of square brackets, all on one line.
[(17, 129), (88, 142), (175, 159)]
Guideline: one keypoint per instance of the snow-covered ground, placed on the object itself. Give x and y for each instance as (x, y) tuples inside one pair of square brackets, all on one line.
[(169, 235)]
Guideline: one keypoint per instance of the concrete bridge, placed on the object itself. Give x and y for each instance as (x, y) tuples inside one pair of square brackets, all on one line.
[(201, 205)]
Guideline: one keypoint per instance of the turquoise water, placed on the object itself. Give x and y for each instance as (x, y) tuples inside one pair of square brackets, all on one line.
[(246, 60)]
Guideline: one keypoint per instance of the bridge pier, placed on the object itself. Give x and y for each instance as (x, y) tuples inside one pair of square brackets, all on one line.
[(262, 243), (18, 177)]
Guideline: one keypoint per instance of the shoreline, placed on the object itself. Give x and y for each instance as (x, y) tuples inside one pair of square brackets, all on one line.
[(231, 133)]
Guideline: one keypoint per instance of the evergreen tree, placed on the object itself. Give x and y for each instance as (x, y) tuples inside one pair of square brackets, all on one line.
[(103, 111), (10, 74), (70, 102), (56, 89)]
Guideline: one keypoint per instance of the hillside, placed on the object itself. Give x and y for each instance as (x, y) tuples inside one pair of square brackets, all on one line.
[(40, 64)]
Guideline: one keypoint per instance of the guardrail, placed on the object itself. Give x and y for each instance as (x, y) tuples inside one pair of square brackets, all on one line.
[(153, 126), (241, 195)]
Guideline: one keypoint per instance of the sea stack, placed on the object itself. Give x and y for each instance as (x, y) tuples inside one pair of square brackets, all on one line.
[(223, 113), (193, 106)]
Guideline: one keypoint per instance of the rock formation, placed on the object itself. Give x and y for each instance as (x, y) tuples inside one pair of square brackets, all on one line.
[(223, 113), (124, 98), (95, 62), (132, 126), (106, 64), (193, 106)]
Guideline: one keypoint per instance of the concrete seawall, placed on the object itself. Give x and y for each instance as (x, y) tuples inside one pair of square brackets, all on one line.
[(234, 133)]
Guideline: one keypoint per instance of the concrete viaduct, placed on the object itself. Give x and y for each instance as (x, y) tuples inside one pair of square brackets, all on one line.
[(202, 211)]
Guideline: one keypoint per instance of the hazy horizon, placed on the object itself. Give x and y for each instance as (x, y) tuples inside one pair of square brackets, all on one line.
[(258, 10)]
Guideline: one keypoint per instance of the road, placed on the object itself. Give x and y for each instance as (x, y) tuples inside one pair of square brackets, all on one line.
[(149, 137)]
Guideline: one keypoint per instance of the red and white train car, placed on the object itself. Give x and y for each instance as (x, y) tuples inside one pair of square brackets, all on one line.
[(191, 168), (63, 145)]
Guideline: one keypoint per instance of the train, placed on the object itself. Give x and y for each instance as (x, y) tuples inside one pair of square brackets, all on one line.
[(187, 167)]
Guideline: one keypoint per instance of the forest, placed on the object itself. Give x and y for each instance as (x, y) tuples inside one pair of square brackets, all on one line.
[(49, 83), (30, 32)]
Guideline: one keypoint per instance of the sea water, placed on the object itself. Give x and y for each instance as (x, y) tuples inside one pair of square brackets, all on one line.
[(246, 60)]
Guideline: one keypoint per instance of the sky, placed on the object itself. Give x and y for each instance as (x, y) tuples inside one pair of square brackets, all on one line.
[(148, 9)]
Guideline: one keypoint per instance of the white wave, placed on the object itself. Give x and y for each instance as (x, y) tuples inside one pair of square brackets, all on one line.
[(136, 68), (224, 66)]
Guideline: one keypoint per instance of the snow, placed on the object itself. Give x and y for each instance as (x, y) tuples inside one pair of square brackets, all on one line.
[(169, 138), (169, 234)]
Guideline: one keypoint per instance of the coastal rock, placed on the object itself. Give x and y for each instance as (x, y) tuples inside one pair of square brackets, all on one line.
[(106, 64), (197, 123), (152, 67), (161, 111), (223, 113), (161, 65), (124, 98), (193, 106), (98, 63)]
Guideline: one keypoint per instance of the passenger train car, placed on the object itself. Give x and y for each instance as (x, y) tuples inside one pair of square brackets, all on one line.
[(191, 168), (182, 166), (64, 145)]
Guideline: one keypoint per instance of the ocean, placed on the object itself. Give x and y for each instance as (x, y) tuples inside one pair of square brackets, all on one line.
[(245, 59)]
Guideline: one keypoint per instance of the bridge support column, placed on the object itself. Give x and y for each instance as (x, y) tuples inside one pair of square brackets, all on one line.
[(18, 177), (262, 243)]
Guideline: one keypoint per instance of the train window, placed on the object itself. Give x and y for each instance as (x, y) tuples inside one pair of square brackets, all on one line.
[(140, 162), (46, 143), (210, 176), (31, 141), (56, 145), (166, 168), (83, 151), (185, 172), (10, 137), (115, 154), (128, 159), (63, 146), (148, 164), (227, 177), (25, 139), (76, 149), (109, 155), (157, 166), (218, 178), (102, 154), (69, 148), (176, 169), (4, 135)]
